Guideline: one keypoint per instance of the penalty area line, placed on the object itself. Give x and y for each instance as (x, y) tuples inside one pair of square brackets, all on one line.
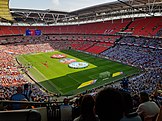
[(74, 79), (49, 82)]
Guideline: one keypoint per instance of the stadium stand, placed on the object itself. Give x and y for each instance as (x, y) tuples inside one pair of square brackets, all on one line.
[(145, 26)]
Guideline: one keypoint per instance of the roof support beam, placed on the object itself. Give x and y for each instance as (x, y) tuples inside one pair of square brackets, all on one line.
[(41, 15), (151, 6)]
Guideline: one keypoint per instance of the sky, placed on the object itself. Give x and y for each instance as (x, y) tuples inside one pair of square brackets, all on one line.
[(60, 5)]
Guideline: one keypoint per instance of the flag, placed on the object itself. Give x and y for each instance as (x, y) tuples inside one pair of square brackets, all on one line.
[(87, 83), (117, 74)]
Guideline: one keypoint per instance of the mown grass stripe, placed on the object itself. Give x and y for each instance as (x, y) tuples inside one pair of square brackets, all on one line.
[(62, 79)]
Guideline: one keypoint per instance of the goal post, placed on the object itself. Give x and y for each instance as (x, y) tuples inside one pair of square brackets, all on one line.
[(105, 74)]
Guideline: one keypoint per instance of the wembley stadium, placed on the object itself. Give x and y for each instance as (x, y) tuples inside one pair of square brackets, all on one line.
[(54, 59)]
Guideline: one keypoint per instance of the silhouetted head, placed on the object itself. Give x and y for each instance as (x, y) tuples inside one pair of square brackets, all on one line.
[(87, 104), (25, 86), (128, 102), (144, 97), (109, 105), (19, 90), (66, 101)]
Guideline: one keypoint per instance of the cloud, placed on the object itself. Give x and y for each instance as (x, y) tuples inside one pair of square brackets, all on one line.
[(71, 5), (56, 2)]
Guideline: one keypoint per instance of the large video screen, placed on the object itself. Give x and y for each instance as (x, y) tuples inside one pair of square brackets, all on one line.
[(33, 32)]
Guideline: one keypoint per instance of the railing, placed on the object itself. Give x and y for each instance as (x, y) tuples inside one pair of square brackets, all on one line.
[(50, 111)]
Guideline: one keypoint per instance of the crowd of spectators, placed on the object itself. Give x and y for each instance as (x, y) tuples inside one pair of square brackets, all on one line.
[(11, 75), (147, 81), (133, 51), (135, 55), (159, 33), (116, 105), (143, 41), (145, 57)]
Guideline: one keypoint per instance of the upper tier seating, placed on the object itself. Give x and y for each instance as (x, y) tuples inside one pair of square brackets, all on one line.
[(107, 27), (140, 26), (145, 26)]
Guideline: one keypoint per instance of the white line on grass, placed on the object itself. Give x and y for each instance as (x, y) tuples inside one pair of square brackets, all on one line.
[(92, 76), (73, 78), (47, 79), (44, 77)]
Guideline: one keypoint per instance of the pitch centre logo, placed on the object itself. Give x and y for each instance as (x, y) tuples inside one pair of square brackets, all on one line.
[(67, 60), (58, 56)]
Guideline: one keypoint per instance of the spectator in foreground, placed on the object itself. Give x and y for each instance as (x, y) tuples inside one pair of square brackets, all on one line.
[(148, 110), (77, 107), (129, 114), (159, 117), (109, 105), (87, 110), (66, 110), (18, 97), (27, 92)]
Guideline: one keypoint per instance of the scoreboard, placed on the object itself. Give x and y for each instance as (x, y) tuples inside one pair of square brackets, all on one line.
[(33, 32)]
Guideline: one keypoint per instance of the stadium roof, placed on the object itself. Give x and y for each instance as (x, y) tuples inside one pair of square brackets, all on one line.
[(4, 11), (119, 5), (118, 8), (37, 16)]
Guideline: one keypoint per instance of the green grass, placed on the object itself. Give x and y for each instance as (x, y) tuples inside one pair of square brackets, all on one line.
[(59, 78)]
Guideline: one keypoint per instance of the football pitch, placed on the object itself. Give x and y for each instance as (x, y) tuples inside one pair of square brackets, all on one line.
[(59, 78)]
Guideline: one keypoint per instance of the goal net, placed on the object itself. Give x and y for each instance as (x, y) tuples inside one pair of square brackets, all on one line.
[(105, 74)]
